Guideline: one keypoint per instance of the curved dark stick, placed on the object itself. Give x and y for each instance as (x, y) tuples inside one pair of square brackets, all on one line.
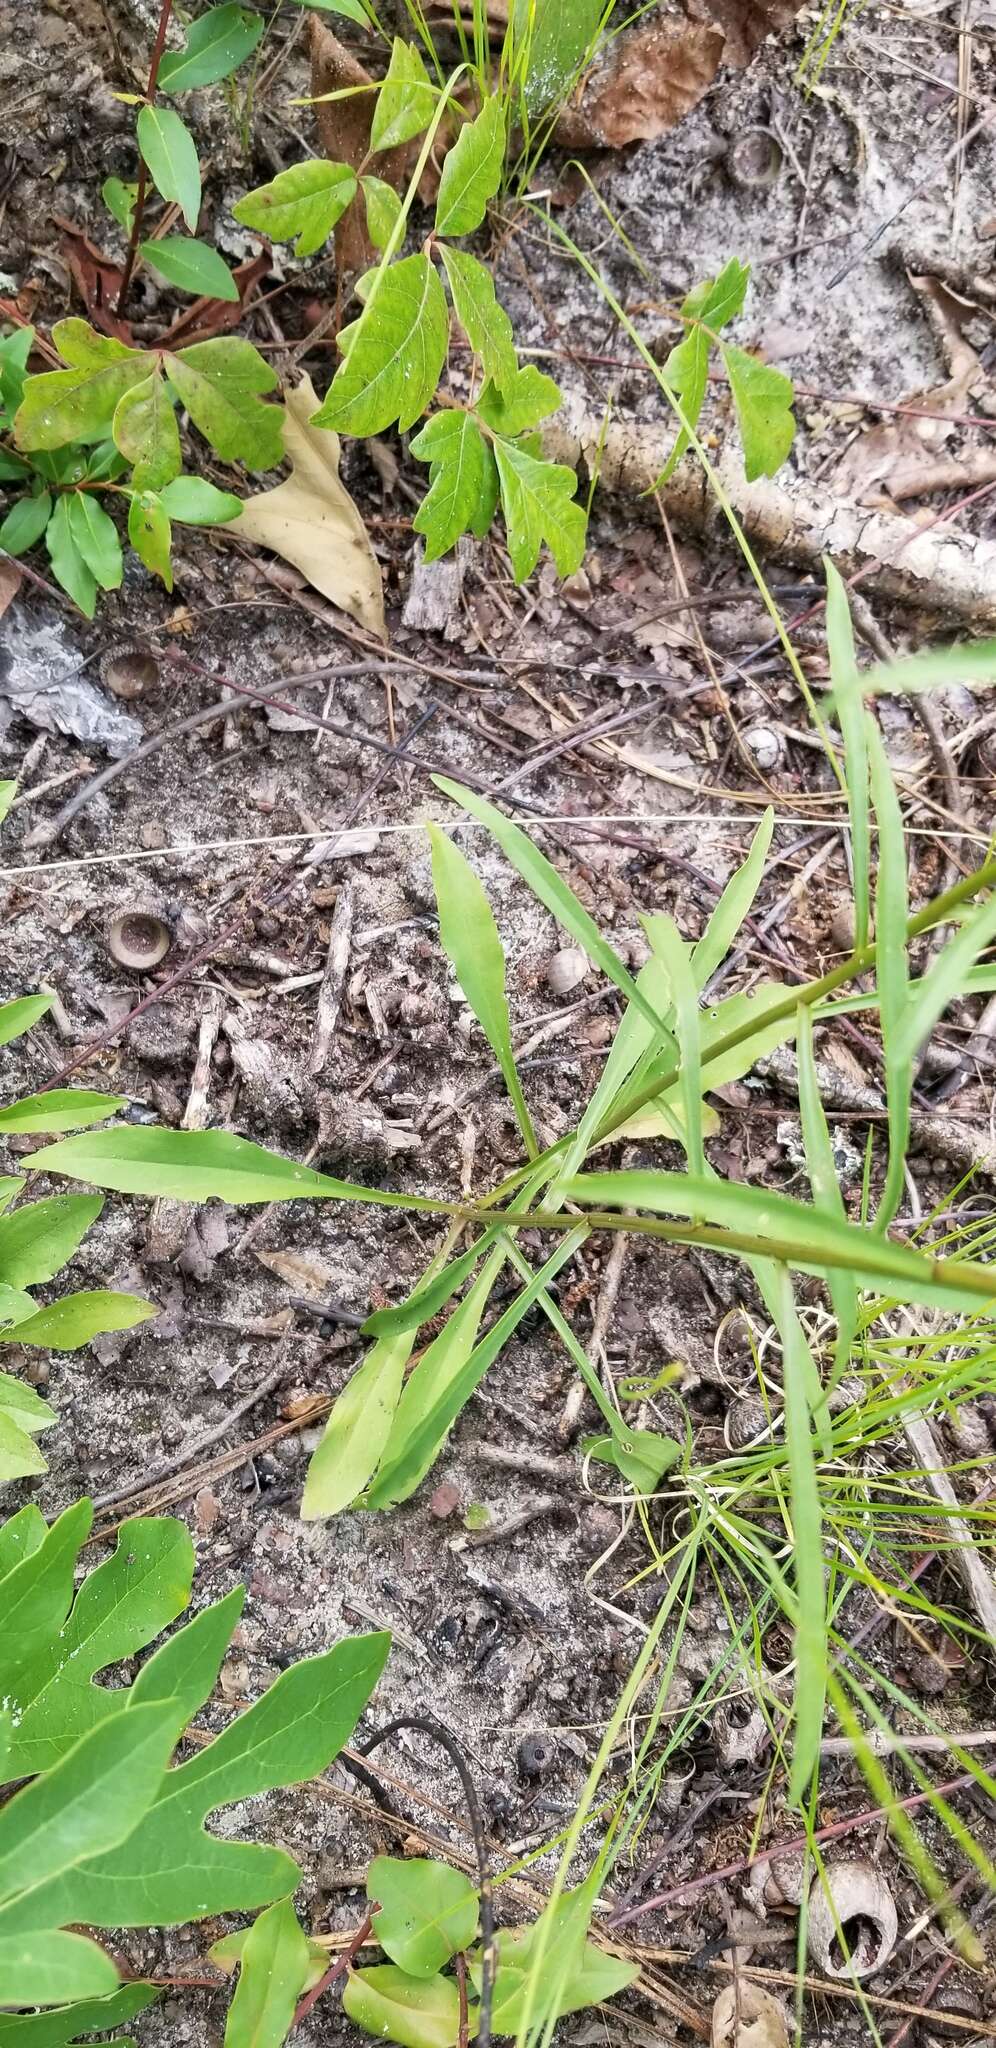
[(424, 1724)]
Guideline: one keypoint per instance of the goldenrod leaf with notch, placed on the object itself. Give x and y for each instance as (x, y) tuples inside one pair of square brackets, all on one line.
[(472, 171), (396, 352), (304, 201), (485, 323), (463, 481)]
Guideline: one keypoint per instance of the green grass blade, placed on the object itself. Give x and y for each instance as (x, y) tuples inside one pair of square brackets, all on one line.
[(670, 947), (892, 968), (357, 1429), (807, 1546), (472, 945), (734, 905), (848, 686), (946, 979), (431, 1295), (822, 1169), (933, 669)]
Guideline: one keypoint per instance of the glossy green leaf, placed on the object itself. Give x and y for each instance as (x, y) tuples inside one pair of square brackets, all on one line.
[(96, 538), (120, 1606), (47, 1965), (119, 196), (463, 481), (217, 43), (474, 949), (220, 383), (151, 535), (146, 433), (274, 1967), (93, 2016), (185, 1669), (25, 522), (192, 501), (37, 1240), (705, 310), (526, 399), (21, 1536), (485, 323), (357, 1430), (88, 1803), (191, 1165), (427, 1913), (396, 352), (552, 43), (383, 205), (68, 1324), (23, 1416), (763, 399), (68, 566), (598, 1978), (406, 101), (305, 201), (194, 266), (19, 1016), (472, 172), (171, 1870), (19, 1400), (170, 155), (15, 1307), (539, 504), (38, 1590), (416, 2012), (77, 404)]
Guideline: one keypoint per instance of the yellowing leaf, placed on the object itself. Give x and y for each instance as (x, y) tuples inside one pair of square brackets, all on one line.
[(311, 520)]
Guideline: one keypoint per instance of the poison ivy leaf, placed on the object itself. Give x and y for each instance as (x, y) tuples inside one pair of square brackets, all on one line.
[(192, 501), (93, 2016), (68, 566), (406, 101), (219, 383), (151, 535), (528, 397), (25, 523), (427, 1913), (18, 1017), (306, 200), (171, 1870), (474, 949), (396, 352), (170, 155), (274, 1967), (64, 406), (119, 198), (706, 309), (485, 323), (216, 45), (75, 1320), (37, 1240), (120, 1607), (417, 2012), (763, 399), (194, 266), (383, 206), (463, 481), (539, 505), (472, 172), (38, 1588), (96, 539), (146, 433), (357, 1430)]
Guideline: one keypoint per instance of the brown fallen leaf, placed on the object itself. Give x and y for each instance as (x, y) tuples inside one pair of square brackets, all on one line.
[(745, 23), (300, 1270), (96, 278), (209, 317), (10, 583), (344, 135), (744, 2016), (311, 521), (650, 81)]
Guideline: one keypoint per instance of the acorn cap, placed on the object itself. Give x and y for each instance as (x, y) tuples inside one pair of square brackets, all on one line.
[(130, 672), (754, 159), (138, 939)]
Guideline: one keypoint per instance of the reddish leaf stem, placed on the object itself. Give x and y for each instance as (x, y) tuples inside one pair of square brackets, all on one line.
[(143, 177), (336, 1969)]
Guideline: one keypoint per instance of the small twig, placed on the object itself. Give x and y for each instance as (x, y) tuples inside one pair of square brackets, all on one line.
[(571, 1417), (336, 1969), (532, 1464), (530, 1511), (333, 980), (424, 1724), (463, 2029), (169, 1219), (143, 177), (976, 1580)]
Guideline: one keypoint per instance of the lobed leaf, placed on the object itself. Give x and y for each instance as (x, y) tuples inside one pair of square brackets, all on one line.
[(463, 481), (526, 399), (219, 382), (38, 1586), (539, 505), (485, 323), (305, 201), (396, 352)]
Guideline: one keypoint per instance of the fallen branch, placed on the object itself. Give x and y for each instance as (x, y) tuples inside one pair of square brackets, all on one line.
[(940, 567)]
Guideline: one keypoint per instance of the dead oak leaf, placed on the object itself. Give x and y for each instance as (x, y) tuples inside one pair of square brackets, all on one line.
[(311, 521), (654, 77), (745, 23)]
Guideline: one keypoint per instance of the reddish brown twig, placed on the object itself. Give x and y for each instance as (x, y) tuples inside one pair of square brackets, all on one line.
[(463, 2030), (336, 1969), (143, 176)]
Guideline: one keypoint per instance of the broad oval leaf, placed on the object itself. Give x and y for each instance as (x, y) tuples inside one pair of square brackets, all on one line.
[(47, 1967), (193, 501), (37, 1239), (397, 349), (146, 433), (119, 197), (383, 206), (69, 1324), (216, 45), (194, 266), (306, 200), (427, 1911), (416, 2012), (472, 172), (763, 399), (274, 1966), (25, 522), (170, 155), (19, 1016)]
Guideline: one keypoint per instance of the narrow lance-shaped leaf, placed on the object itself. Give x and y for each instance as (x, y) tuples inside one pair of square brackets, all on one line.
[(821, 1167), (88, 2016), (77, 1319), (807, 1546), (274, 1967), (18, 1017), (667, 941), (62, 1109), (170, 155), (429, 1405), (68, 566), (473, 946), (96, 538), (37, 1239), (892, 970), (734, 905), (357, 1429)]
